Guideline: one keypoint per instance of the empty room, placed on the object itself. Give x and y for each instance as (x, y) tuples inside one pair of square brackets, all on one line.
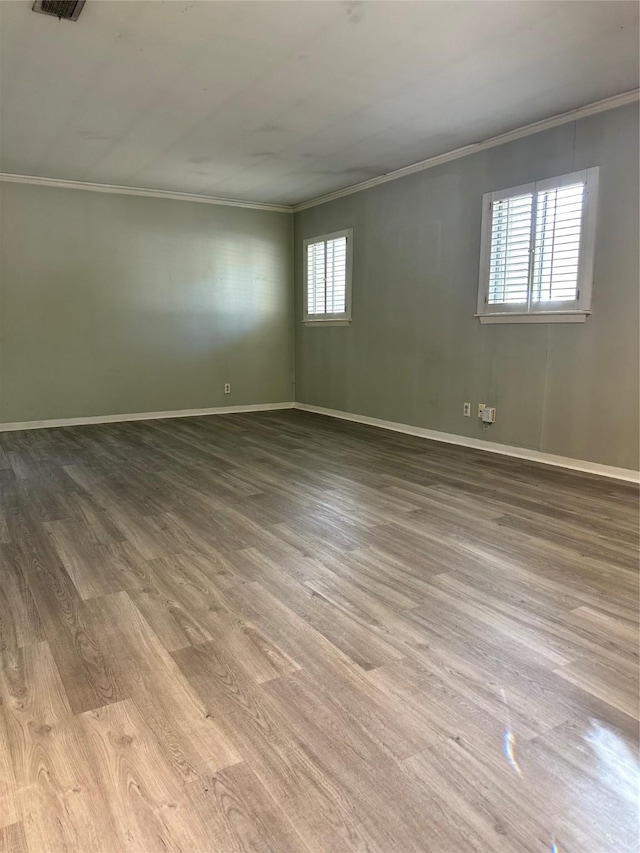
[(319, 426)]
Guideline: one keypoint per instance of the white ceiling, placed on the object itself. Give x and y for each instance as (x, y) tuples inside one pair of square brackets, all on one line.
[(284, 101)]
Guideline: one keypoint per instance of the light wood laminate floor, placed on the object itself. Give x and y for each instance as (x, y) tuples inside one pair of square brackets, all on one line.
[(278, 632)]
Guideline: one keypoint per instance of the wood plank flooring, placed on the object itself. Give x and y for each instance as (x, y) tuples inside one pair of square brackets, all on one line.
[(278, 632)]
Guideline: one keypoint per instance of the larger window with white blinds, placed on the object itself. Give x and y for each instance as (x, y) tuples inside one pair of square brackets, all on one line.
[(536, 261), (327, 277)]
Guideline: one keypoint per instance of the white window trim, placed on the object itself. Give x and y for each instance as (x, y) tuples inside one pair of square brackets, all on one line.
[(343, 319), (549, 312)]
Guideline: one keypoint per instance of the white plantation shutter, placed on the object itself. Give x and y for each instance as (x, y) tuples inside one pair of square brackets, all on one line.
[(327, 275), (510, 253), (316, 278), (537, 247), (557, 250), (336, 271)]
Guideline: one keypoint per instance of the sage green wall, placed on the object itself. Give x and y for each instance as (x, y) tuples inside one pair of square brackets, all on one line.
[(117, 304), (414, 351)]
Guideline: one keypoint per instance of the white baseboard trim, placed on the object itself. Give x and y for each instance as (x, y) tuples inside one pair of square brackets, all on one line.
[(448, 438), (626, 474), (144, 416)]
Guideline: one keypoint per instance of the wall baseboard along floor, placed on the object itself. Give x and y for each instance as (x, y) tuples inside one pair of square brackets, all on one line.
[(480, 444), (144, 416), (421, 432)]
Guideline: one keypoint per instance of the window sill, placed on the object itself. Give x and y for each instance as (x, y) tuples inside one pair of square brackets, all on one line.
[(537, 317), (328, 322)]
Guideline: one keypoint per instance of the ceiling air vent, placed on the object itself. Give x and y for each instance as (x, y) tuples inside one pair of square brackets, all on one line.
[(67, 9)]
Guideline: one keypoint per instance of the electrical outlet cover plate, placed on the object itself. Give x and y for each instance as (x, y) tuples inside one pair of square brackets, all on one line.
[(466, 410), (488, 415)]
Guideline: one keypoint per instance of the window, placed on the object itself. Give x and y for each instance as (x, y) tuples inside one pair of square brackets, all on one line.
[(536, 258), (327, 278)]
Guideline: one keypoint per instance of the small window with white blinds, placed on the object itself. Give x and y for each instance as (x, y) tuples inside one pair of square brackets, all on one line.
[(536, 260), (327, 277)]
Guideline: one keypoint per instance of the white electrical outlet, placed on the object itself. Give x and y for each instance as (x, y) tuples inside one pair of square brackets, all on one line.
[(488, 415), (481, 408), (227, 387), (466, 410)]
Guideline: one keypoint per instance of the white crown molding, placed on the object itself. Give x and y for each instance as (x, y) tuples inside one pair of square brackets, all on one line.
[(510, 136), (144, 416), (140, 191), (581, 465)]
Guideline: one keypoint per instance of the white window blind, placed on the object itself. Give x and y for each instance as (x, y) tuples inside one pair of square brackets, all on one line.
[(537, 247), (557, 243), (316, 290), (327, 277), (510, 249)]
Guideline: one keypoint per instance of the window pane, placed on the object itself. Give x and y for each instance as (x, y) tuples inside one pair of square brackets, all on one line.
[(557, 251), (509, 251)]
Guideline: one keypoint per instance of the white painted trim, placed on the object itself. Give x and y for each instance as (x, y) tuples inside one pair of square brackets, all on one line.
[(480, 444), (445, 437), (534, 317), (141, 191), (325, 321), (144, 416), (510, 136)]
